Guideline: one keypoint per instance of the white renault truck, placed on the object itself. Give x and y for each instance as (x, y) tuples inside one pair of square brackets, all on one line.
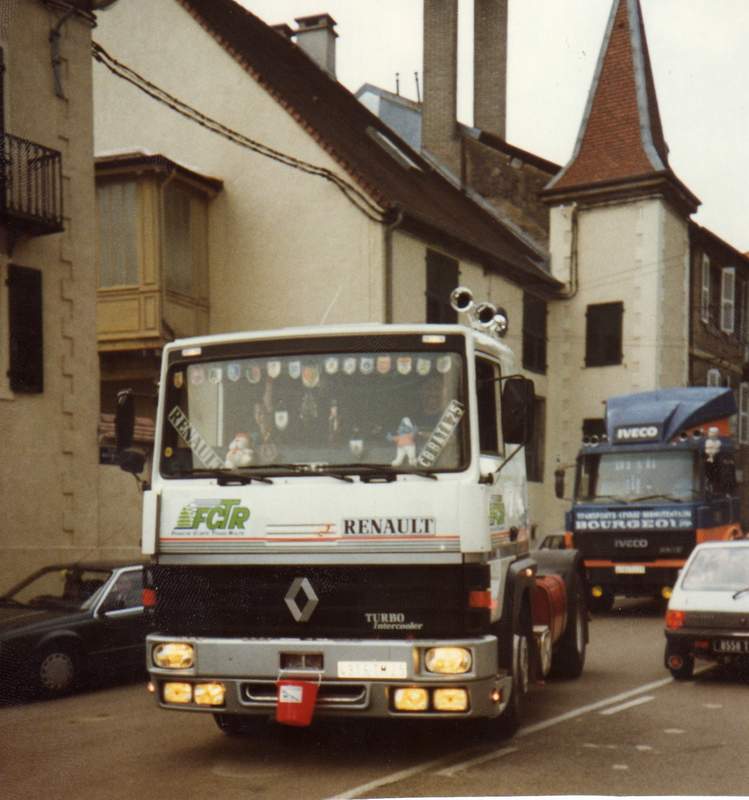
[(346, 508)]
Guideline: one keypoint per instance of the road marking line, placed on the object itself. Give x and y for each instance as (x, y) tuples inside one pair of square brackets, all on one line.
[(357, 791), (624, 706), (449, 772)]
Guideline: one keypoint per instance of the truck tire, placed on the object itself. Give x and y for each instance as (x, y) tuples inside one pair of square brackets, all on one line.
[(509, 720), (568, 660)]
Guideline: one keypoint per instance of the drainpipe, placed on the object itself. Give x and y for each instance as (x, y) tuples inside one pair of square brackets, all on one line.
[(574, 284), (388, 245)]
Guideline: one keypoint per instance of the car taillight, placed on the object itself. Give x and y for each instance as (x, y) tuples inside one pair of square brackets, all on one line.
[(674, 619), (149, 598)]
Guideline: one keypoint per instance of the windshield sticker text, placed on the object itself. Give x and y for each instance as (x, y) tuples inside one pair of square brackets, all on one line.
[(441, 434), (192, 437), (637, 519)]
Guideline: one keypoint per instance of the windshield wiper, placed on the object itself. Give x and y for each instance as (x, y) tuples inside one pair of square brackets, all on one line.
[(383, 471), (224, 477), (660, 496), (738, 594)]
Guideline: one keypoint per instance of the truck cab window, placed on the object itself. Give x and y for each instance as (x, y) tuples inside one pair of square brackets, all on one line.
[(487, 392)]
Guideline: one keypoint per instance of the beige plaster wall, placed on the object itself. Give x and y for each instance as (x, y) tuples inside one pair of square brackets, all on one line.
[(48, 473), (284, 247), (636, 253)]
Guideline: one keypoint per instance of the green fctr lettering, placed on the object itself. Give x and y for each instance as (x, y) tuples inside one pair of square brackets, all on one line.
[(239, 516)]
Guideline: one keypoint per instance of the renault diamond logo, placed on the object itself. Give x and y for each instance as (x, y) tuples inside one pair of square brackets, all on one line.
[(305, 587)]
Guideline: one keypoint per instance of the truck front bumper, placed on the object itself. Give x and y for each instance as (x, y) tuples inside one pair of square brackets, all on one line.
[(631, 579), (355, 677)]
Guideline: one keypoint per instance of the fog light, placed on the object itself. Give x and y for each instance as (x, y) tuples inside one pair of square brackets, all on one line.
[(210, 694), (177, 692), (151, 687), (448, 660), (450, 699), (666, 592), (597, 591), (496, 696), (174, 655), (411, 698)]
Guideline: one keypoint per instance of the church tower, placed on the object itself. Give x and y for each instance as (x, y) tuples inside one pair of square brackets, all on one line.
[(619, 240)]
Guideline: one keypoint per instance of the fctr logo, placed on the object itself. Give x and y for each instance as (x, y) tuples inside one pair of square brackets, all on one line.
[(214, 515)]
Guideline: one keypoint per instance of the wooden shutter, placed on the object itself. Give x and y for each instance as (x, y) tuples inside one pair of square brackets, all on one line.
[(26, 371), (727, 299)]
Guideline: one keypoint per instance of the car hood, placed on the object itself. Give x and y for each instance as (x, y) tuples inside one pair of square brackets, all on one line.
[(15, 620), (709, 601)]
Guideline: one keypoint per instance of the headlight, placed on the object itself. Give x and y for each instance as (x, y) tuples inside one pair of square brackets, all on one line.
[(177, 693), (448, 660), (209, 694), (174, 655), (411, 698)]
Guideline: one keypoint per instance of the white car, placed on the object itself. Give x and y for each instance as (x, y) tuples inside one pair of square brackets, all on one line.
[(708, 613)]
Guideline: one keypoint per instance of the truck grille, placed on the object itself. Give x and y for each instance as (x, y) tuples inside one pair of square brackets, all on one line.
[(377, 602), (635, 546)]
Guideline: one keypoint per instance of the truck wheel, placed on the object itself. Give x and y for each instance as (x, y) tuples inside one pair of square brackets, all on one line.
[(509, 721), (680, 664), (569, 658), (602, 604)]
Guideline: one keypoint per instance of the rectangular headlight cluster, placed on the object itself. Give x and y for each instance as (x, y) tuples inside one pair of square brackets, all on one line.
[(417, 698), (211, 693), (448, 660)]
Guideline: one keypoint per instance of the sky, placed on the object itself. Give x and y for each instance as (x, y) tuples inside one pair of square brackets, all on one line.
[(698, 49)]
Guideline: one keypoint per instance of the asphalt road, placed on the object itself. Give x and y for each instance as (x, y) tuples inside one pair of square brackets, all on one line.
[(624, 728)]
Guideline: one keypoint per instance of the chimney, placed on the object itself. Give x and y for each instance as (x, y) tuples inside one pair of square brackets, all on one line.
[(439, 132), (490, 66), (284, 30), (316, 36)]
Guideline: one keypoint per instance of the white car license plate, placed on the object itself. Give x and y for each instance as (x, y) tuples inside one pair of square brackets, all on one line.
[(371, 670), (731, 646), (629, 569)]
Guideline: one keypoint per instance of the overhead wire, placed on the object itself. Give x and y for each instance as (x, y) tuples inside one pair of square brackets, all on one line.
[(353, 193)]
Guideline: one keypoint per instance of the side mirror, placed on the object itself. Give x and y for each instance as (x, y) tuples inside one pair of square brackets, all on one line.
[(124, 420), (518, 416), (559, 483)]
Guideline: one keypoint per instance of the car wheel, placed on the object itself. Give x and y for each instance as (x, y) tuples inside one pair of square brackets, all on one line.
[(569, 658), (679, 663), (57, 670)]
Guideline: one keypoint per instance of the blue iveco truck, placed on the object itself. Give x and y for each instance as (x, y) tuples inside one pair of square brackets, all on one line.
[(659, 481)]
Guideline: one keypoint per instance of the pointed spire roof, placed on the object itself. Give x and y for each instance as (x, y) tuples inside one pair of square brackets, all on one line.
[(621, 139)]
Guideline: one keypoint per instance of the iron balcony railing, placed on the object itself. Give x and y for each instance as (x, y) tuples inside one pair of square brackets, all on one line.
[(30, 186)]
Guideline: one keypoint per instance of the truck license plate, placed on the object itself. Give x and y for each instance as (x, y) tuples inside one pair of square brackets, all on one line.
[(731, 645), (371, 670), (629, 569)]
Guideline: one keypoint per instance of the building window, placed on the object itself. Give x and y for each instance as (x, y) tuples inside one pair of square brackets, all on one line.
[(728, 299), (534, 450), (714, 378), (534, 334), (594, 426), (117, 216), (442, 278), (185, 240), (705, 290), (744, 413), (603, 334), (26, 356), (487, 383)]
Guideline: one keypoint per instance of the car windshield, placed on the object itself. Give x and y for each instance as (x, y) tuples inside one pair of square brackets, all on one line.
[(340, 411), (67, 588), (631, 477), (719, 569)]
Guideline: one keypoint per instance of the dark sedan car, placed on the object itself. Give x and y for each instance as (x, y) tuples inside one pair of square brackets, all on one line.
[(68, 621)]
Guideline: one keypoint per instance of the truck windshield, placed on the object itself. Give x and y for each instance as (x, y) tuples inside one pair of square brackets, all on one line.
[(638, 477), (403, 410)]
